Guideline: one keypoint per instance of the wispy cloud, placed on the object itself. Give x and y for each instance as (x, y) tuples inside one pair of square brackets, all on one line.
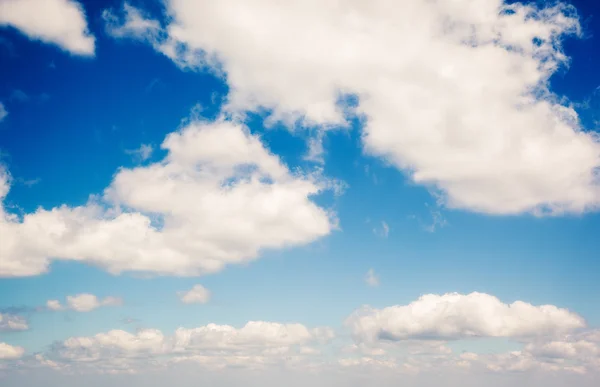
[(383, 230), (371, 278), (3, 112), (141, 154)]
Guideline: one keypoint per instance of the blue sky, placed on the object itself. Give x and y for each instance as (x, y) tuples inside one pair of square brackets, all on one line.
[(438, 165)]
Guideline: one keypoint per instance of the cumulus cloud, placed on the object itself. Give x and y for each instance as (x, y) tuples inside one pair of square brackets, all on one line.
[(219, 197), (213, 346), (456, 94), (454, 316), (59, 22), (54, 305), (196, 295), (84, 302), (9, 352), (11, 322)]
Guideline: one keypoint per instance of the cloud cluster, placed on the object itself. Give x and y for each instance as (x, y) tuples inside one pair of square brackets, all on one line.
[(11, 322), (457, 316), (59, 22), (84, 302), (456, 93), (410, 340), (213, 346), (219, 197)]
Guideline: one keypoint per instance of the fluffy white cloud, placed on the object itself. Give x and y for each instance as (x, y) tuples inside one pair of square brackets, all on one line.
[(219, 197), (60, 22), (454, 316), (455, 93), (196, 295), (9, 352), (212, 345), (84, 302), (54, 305), (10, 322)]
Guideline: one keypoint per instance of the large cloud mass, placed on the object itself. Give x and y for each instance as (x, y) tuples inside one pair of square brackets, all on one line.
[(455, 92), (218, 198), (60, 22), (454, 316)]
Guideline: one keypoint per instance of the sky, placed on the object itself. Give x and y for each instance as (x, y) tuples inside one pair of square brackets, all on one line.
[(326, 193)]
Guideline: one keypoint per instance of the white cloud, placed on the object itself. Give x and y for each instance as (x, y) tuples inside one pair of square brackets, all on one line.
[(133, 24), (3, 112), (9, 352), (54, 305), (454, 316), (84, 302), (142, 153), (60, 22), (10, 322), (213, 346), (455, 93), (218, 198), (196, 295), (371, 279)]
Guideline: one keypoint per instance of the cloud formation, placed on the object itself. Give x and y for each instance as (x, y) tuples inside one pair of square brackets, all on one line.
[(11, 322), (213, 346), (196, 295), (59, 22), (219, 197), (456, 94), (9, 352), (455, 316), (83, 302)]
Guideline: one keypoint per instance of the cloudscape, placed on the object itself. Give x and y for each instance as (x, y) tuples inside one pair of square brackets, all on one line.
[(304, 192)]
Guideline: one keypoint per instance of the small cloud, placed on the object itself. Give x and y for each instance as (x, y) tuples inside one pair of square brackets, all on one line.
[(3, 112), (142, 153), (382, 231), (28, 182), (437, 221), (371, 279), (54, 305), (196, 295), (315, 149), (12, 322), (19, 95), (129, 320), (52, 65), (83, 303)]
